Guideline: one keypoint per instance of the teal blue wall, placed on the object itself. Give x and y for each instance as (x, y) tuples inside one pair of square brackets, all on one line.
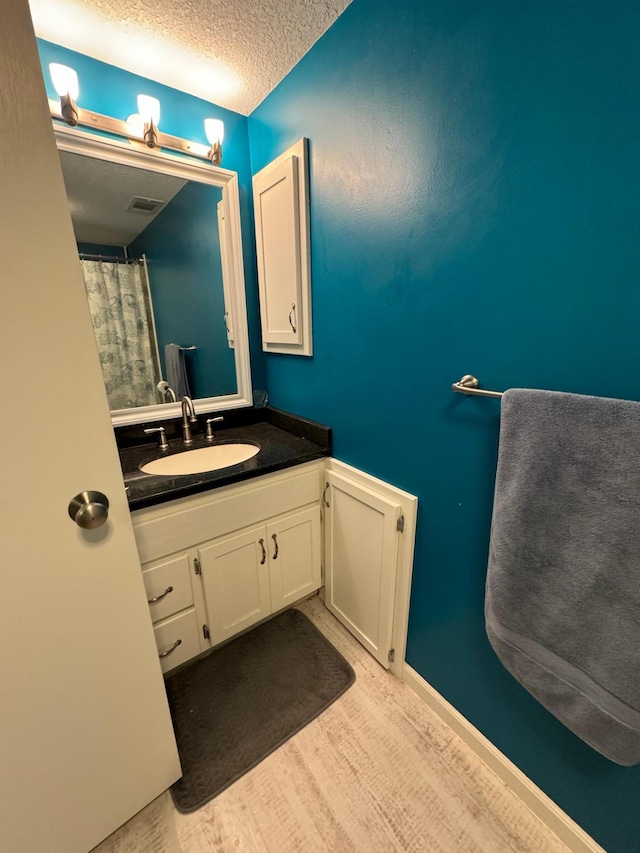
[(182, 247), (101, 249), (475, 176), (112, 91)]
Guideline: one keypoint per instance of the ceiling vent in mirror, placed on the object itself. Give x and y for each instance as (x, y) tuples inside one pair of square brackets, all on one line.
[(138, 204)]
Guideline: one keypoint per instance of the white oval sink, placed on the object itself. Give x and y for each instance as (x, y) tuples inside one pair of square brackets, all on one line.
[(201, 460)]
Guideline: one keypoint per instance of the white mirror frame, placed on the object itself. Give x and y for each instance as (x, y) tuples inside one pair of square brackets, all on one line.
[(135, 154)]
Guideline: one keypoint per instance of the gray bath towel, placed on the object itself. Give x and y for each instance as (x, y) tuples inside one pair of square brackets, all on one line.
[(563, 587), (176, 370)]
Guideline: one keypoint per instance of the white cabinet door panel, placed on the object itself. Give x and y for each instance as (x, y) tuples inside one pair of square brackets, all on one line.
[(361, 548), (278, 245), (294, 557), (235, 575), (283, 237)]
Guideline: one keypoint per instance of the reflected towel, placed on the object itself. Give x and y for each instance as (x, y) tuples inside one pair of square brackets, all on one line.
[(176, 370), (563, 585)]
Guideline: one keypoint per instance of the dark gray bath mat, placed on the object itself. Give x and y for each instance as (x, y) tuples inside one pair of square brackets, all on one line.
[(233, 708)]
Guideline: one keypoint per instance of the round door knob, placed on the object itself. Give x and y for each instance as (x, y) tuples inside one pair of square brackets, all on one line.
[(89, 509)]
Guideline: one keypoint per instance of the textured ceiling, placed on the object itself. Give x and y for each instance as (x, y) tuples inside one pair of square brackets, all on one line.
[(229, 52), (99, 193)]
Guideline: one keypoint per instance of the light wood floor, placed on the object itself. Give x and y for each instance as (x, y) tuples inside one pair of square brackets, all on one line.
[(377, 771)]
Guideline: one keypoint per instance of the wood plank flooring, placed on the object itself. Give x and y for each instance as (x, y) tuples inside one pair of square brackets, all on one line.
[(378, 771)]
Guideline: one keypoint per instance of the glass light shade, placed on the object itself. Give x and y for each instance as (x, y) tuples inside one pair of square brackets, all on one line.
[(135, 125), (65, 80), (149, 109), (214, 129)]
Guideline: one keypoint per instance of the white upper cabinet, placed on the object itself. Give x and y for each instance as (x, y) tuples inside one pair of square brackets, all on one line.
[(281, 200)]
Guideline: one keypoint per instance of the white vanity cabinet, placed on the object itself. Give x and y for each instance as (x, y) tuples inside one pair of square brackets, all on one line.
[(217, 563), (251, 574)]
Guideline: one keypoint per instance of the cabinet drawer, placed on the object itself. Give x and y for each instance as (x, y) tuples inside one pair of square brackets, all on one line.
[(178, 639), (169, 583)]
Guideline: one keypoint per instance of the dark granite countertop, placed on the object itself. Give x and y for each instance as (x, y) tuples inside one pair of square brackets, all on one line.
[(284, 440)]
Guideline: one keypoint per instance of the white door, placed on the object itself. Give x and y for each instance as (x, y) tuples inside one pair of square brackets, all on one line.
[(235, 576), (361, 558), (277, 214), (294, 557), (85, 733)]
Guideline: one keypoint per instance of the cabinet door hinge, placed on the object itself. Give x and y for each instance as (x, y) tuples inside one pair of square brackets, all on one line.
[(197, 568), (400, 524), (392, 655), (205, 632)]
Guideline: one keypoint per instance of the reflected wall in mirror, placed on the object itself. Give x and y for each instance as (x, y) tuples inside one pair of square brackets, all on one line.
[(159, 245)]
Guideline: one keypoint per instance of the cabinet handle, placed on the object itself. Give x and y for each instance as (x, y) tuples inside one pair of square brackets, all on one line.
[(293, 308), (324, 495), (226, 325), (160, 597), (275, 542), (264, 553), (172, 649)]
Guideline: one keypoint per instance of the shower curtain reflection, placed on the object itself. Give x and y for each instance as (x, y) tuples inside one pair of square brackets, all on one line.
[(118, 295)]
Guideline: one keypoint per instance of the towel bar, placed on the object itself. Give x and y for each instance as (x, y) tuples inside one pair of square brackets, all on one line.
[(469, 385)]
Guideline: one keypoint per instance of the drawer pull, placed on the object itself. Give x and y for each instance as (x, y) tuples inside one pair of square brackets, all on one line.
[(275, 542), (264, 553), (160, 597), (172, 649)]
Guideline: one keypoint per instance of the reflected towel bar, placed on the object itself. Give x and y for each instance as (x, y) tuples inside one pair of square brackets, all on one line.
[(469, 385)]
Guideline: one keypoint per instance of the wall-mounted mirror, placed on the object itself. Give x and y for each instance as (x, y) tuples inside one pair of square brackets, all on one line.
[(160, 250)]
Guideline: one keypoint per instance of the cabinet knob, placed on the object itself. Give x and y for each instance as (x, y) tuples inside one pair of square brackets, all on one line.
[(89, 509)]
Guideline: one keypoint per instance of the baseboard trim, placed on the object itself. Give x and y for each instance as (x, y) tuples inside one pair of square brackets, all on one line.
[(533, 797)]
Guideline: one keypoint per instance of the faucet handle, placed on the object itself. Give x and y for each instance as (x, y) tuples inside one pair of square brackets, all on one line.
[(210, 436), (163, 444)]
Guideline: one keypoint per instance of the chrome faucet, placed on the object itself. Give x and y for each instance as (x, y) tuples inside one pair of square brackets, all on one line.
[(188, 416)]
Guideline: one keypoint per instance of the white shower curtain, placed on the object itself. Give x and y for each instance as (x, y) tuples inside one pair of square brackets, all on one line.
[(121, 326)]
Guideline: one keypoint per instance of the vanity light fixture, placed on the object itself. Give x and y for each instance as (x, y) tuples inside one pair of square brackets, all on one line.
[(214, 129), (149, 112), (141, 127), (65, 82)]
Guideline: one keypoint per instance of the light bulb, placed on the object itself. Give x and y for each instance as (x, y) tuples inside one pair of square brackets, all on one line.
[(149, 109), (65, 80), (214, 129)]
